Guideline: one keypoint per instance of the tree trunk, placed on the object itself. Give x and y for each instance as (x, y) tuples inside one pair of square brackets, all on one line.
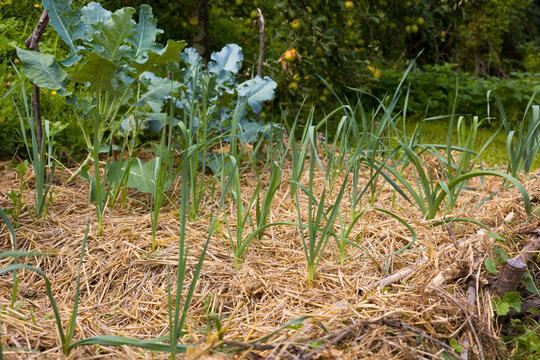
[(199, 38)]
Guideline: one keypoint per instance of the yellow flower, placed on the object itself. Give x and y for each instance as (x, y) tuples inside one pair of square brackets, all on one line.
[(36, 5), (53, 92)]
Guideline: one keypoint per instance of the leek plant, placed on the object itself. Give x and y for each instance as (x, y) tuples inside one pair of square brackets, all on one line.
[(13, 235), (337, 154), (428, 192), (66, 338), (16, 197), (162, 174), (459, 159), (231, 164), (244, 219), (373, 135), (41, 158), (522, 145), (321, 217), (178, 312)]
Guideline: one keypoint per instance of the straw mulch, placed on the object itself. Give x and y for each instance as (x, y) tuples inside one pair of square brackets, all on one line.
[(352, 314)]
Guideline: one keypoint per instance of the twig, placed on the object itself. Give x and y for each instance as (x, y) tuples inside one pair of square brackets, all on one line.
[(398, 275), (452, 235), (469, 321), (335, 339), (471, 301), (246, 346), (397, 324)]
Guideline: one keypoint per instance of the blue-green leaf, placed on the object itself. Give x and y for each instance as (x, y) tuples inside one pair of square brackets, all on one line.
[(249, 131), (257, 90), (144, 39), (142, 176), (67, 23), (158, 90), (117, 29), (42, 69), (99, 72), (94, 16), (228, 59)]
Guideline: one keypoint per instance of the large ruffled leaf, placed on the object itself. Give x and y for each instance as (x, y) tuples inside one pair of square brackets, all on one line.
[(257, 90), (158, 90), (67, 23), (144, 39), (94, 16), (99, 72), (171, 53), (42, 69), (228, 59), (117, 29)]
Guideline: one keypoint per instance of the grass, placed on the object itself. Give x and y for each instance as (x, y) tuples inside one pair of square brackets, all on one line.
[(435, 132)]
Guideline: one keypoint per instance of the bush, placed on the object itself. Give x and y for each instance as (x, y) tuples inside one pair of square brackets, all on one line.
[(433, 87)]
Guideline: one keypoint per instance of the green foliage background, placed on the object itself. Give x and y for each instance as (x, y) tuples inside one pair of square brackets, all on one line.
[(480, 44)]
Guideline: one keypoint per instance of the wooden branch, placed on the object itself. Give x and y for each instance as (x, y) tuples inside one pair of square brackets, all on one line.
[(511, 272), (261, 42), (32, 43)]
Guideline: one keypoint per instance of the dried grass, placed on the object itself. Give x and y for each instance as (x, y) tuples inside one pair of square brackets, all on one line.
[(124, 285)]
